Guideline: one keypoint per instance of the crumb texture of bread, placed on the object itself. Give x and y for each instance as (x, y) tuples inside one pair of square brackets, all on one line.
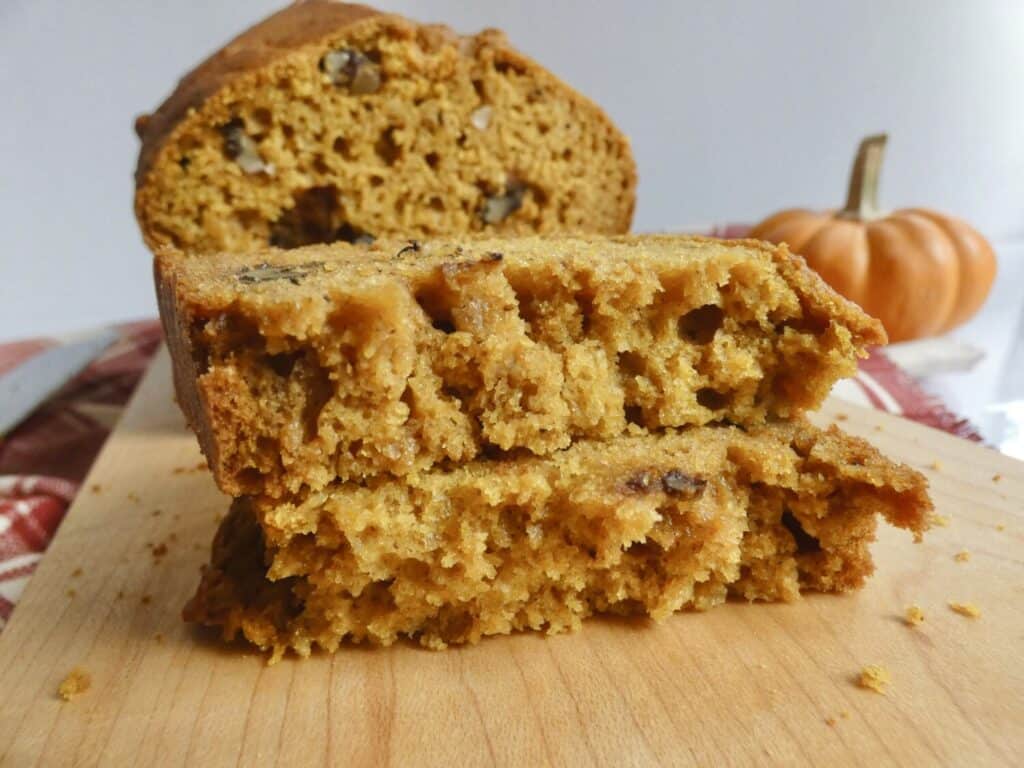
[(642, 524), (77, 682), (343, 362), (330, 121)]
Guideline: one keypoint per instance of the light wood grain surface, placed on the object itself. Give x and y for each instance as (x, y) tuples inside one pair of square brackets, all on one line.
[(740, 685)]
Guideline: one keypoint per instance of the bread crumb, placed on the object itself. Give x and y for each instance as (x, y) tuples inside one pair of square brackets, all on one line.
[(914, 615), (119, 595), (146, 599), (77, 682), (156, 512), (1000, 527), (936, 465), (830, 722), (878, 427), (841, 417), (996, 477), (159, 637), (874, 677), (970, 610), (942, 521), (71, 593), (199, 467), (95, 487), (962, 556), (844, 714), (76, 573), (134, 497), (159, 550)]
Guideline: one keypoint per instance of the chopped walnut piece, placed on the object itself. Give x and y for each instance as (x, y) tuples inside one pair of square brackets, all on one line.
[(480, 118), (242, 148), (353, 70), (497, 208)]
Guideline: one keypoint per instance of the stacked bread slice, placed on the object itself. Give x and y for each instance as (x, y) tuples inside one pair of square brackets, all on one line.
[(449, 438)]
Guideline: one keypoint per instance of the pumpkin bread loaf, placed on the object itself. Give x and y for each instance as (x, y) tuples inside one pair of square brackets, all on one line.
[(644, 524), (297, 368), (330, 121)]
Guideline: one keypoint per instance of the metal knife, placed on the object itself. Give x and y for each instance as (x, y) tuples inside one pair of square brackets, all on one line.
[(27, 386)]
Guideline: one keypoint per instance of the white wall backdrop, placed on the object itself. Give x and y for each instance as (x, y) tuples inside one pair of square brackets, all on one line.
[(735, 109)]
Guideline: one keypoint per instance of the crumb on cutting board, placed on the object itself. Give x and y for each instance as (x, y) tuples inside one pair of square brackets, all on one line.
[(962, 556), (71, 593), (936, 465), (76, 573), (830, 721), (76, 683), (95, 488), (157, 512), (146, 599), (841, 417), (914, 615), (942, 521), (874, 677), (1000, 527), (970, 610)]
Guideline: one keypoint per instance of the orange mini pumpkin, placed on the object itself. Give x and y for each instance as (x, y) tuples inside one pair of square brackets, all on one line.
[(921, 273)]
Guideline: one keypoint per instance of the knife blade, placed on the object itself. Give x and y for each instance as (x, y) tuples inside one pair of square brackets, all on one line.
[(25, 387)]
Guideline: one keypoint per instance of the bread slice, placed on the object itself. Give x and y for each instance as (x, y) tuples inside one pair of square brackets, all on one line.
[(636, 525), (299, 367), (330, 121)]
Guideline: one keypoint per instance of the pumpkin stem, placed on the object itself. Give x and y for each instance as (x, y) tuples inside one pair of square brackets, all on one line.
[(862, 199)]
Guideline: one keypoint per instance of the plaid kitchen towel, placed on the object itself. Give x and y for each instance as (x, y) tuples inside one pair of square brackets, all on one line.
[(43, 462)]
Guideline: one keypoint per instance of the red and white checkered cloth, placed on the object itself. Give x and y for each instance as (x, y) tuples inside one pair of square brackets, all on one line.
[(43, 462)]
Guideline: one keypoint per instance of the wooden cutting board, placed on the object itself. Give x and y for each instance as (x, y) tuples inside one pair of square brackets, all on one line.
[(743, 684)]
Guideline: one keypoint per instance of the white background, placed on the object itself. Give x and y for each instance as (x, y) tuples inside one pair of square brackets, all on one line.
[(735, 109)]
